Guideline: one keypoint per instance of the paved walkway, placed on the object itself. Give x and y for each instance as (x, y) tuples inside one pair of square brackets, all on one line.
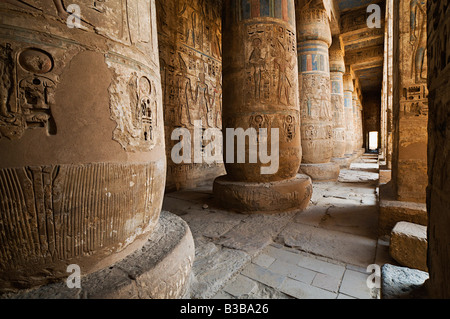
[(320, 253)]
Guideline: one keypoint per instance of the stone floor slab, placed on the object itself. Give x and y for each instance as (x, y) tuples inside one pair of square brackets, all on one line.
[(301, 290), (344, 247), (263, 275), (354, 284), (293, 271)]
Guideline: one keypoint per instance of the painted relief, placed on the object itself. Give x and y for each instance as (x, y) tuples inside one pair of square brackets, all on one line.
[(191, 53), (270, 61)]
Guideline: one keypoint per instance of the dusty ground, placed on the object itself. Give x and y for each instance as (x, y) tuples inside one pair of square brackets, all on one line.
[(322, 252)]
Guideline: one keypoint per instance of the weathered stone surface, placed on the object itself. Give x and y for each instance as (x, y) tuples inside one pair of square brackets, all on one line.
[(410, 98), (256, 232), (393, 212), (401, 282), (439, 148), (190, 46), (385, 176), (322, 172), (317, 113), (409, 245), (349, 248), (272, 197), (260, 90), (159, 270), (337, 70), (348, 111), (81, 136), (212, 270)]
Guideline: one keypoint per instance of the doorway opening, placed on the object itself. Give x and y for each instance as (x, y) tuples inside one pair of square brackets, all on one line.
[(373, 141)]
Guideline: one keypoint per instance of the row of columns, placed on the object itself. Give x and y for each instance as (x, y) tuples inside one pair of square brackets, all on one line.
[(318, 116)]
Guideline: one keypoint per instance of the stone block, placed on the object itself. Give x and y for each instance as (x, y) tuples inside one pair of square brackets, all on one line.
[(393, 212), (301, 290), (401, 282), (409, 245), (271, 197)]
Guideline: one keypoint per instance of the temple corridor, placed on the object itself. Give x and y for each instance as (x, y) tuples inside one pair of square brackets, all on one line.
[(320, 253), (224, 149)]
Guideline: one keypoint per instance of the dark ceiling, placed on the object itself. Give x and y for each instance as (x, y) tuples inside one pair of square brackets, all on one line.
[(364, 47)]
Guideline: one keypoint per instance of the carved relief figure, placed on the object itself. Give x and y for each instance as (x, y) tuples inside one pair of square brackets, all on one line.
[(202, 98), (418, 38), (257, 62), (283, 63)]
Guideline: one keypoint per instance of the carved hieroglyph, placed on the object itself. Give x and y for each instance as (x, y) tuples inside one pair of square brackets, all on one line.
[(261, 92), (337, 70), (190, 39), (82, 170), (262, 81), (314, 39)]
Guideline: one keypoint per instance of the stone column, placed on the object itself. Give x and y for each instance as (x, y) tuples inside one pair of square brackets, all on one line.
[(314, 40), (348, 105), (360, 146), (260, 93), (390, 86), (190, 45), (337, 70), (83, 166)]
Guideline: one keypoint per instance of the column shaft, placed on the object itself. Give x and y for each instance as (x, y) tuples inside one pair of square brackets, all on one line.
[(314, 40), (337, 70), (260, 84)]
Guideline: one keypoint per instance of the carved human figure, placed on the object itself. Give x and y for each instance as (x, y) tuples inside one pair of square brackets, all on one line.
[(283, 63), (257, 62), (202, 97), (324, 109), (418, 37)]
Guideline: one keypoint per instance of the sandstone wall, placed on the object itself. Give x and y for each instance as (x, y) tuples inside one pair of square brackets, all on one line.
[(439, 147)]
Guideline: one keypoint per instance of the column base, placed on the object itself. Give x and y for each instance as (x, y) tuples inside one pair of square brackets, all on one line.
[(273, 197), (321, 172), (160, 270), (343, 162)]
